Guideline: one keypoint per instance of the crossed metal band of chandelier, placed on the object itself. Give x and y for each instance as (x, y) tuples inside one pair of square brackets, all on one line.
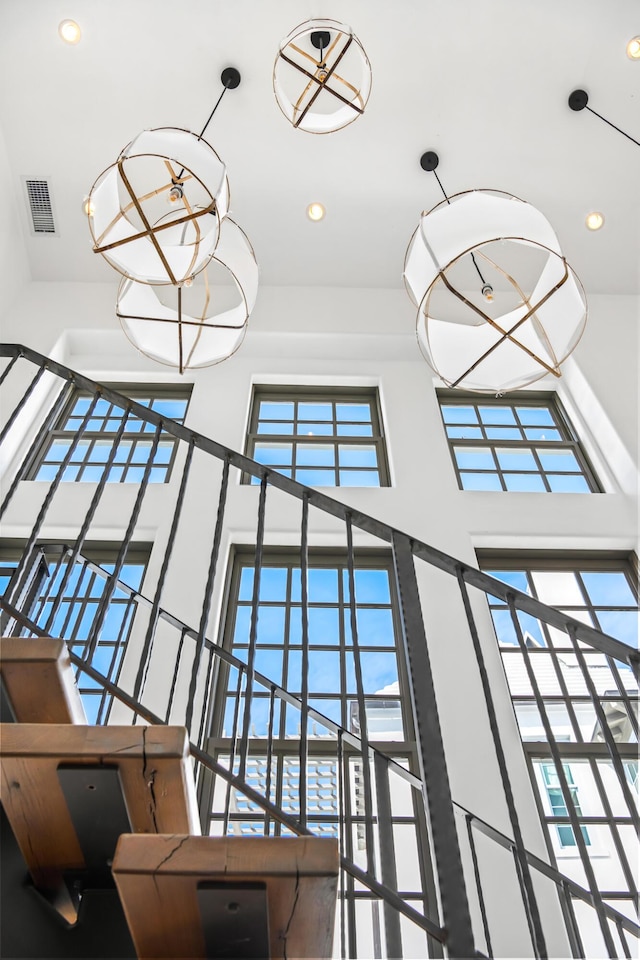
[(498, 306), (321, 76), (158, 216)]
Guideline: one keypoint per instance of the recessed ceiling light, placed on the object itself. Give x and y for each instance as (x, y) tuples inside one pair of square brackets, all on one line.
[(633, 48), (315, 211), (594, 220), (69, 31)]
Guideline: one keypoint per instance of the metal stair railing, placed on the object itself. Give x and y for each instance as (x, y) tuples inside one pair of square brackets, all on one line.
[(447, 916)]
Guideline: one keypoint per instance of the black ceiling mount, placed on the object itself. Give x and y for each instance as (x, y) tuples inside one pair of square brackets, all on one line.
[(578, 99), (230, 78), (429, 160), (320, 39)]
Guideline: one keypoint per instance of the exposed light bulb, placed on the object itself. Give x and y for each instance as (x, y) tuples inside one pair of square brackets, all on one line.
[(594, 220), (487, 292), (69, 31), (633, 48), (188, 282), (315, 211), (175, 194), (88, 206)]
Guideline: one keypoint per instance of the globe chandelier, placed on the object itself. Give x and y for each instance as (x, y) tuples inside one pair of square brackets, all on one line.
[(498, 306), (159, 216), (321, 76)]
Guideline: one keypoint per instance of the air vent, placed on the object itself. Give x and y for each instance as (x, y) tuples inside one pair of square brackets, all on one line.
[(40, 206)]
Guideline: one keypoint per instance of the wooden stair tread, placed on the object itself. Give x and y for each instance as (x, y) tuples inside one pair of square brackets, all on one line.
[(39, 680), (158, 876), (155, 776)]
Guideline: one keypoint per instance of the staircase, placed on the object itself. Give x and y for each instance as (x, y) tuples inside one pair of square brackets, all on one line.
[(334, 800), (89, 806)]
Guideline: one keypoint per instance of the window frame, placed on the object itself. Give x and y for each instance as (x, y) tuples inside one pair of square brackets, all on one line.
[(300, 393), (594, 813), (549, 399), (78, 597), (242, 557), (133, 391)]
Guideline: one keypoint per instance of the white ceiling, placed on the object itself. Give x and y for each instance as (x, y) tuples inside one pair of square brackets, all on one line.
[(483, 82)]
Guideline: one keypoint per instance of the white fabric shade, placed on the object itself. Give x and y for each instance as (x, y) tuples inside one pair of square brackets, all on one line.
[(150, 163), (190, 340), (351, 78), (454, 347)]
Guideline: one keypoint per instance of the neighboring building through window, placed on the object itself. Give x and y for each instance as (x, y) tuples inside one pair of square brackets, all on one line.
[(64, 601), (522, 442), (320, 437), (579, 690), (93, 447)]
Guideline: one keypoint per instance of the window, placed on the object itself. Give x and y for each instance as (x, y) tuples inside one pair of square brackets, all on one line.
[(566, 836), (565, 700), (92, 446), (325, 438), (332, 678), (64, 601), (520, 443), (334, 794)]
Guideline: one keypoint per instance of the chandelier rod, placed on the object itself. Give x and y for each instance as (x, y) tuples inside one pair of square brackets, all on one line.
[(429, 161)]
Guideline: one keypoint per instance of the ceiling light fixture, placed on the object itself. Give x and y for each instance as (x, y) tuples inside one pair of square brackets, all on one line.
[(158, 215), (321, 76), (579, 100), (200, 322), (633, 48), (594, 220), (69, 31), (315, 211), (537, 314)]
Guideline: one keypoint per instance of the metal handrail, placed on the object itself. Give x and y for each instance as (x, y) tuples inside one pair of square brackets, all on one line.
[(211, 764), (377, 528), (440, 806)]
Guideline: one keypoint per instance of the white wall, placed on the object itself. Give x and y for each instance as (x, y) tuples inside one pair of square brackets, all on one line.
[(14, 269)]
